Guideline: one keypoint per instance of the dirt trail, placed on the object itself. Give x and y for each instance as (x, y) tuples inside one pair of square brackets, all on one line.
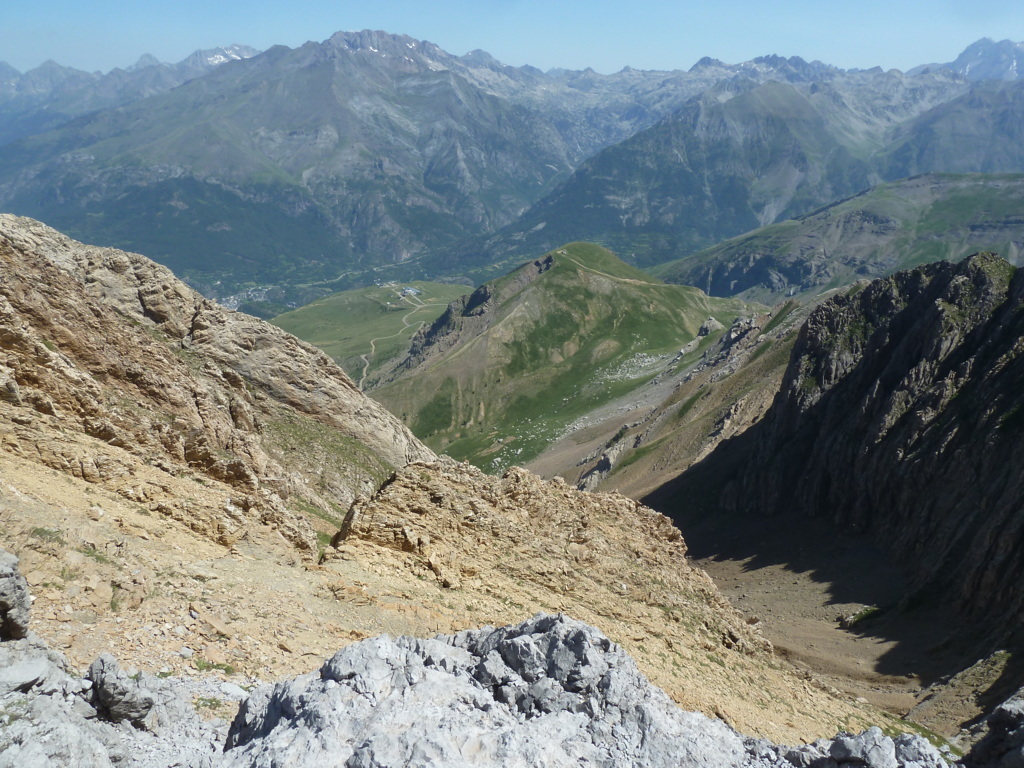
[(629, 280), (417, 306)]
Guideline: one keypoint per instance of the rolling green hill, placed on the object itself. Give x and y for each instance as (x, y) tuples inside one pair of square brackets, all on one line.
[(508, 368), (366, 328)]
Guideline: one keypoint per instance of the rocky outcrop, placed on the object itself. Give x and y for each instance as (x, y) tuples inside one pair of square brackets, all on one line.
[(468, 316), (1000, 736), (457, 522), (549, 691), (50, 717), (110, 346), (900, 416), (14, 599)]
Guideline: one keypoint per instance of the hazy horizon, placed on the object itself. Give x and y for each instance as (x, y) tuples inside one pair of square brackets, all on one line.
[(606, 35)]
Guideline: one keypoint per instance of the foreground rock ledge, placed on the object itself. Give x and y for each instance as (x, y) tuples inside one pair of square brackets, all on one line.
[(551, 691)]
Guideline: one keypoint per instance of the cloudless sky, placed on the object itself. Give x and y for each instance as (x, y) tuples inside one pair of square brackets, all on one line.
[(604, 34)]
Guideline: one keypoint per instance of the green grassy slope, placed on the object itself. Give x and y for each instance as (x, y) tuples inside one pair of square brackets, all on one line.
[(378, 322), (504, 372)]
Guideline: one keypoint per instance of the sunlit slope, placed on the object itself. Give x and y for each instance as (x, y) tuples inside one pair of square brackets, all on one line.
[(366, 328), (506, 369)]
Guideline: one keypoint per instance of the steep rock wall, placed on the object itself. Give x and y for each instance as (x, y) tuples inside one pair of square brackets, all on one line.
[(901, 415)]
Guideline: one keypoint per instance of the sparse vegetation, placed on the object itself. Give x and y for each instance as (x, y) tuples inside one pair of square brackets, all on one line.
[(205, 666), (344, 324), (588, 330), (49, 535), (95, 554)]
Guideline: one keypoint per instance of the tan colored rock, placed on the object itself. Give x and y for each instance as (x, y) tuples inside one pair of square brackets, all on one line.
[(111, 346)]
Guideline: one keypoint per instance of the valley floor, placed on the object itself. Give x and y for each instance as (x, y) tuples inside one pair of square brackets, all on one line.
[(798, 589)]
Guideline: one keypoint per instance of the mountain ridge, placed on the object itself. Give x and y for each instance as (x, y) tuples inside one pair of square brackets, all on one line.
[(888, 227), (896, 412), (506, 368), (397, 165)]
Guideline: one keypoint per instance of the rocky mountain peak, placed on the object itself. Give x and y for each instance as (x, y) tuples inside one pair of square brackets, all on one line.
[(141, 368), (986, 59)]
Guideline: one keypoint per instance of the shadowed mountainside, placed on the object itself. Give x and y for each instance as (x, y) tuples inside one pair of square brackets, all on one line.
[(899, 419)]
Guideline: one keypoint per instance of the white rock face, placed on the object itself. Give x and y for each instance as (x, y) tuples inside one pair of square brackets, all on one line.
[(551, 691)]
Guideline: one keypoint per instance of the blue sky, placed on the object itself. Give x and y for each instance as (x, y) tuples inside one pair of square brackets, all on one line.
[(604, 34)]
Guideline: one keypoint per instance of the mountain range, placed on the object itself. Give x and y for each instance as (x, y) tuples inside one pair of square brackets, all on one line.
[(744, 155), (372, 152), (50, 95), (986, 59), (889, 227)]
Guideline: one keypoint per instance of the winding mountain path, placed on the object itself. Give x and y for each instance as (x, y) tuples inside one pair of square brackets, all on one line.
[(417, 305), (629, 280)]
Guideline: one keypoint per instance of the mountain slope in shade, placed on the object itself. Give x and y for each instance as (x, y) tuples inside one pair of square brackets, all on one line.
[(979, 132), (899, 417)]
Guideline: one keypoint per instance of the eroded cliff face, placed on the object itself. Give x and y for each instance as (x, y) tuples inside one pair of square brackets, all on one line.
[(114, 371), (901, 415)]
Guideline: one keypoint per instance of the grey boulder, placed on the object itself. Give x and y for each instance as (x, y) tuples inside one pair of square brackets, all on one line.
[(550, 691), (14, 599)]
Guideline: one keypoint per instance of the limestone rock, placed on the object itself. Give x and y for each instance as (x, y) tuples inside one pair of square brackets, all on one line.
[(710, 326), (1000, 741), (550, 690), (47, 719), (117, 696), (14, 599), (869, 748), (915, 752)]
